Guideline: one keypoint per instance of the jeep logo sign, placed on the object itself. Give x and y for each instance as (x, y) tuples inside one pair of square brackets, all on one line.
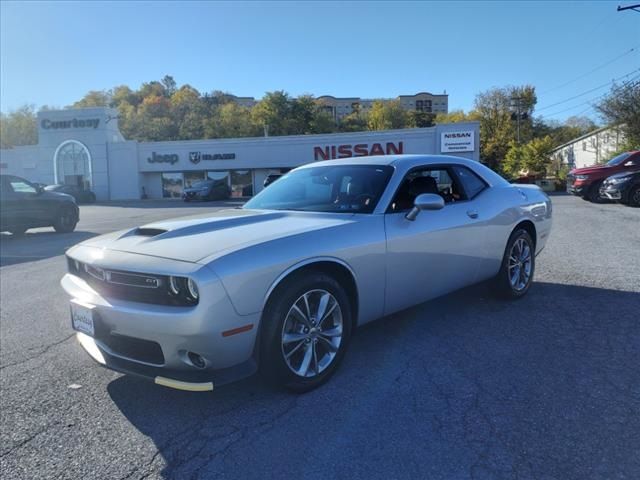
[(459, 141), (159, 158)]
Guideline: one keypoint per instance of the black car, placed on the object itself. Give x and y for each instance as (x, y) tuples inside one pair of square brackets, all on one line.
[(81, 195), (24, 205), (207, 190), (624, 187)]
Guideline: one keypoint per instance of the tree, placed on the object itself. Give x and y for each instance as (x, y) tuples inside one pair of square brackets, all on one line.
[(19, 127), (416, 119), (302, 111), (272, 113), (231, 121), (387, 115), (455, 116), (356, 121), (622, 107), (169, 85), (532, 158), (94, 98), (494, 109)]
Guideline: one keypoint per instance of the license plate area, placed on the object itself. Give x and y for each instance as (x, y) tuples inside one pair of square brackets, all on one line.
[(82, 317)]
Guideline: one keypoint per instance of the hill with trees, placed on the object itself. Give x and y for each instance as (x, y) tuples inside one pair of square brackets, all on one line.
[(512, 139)]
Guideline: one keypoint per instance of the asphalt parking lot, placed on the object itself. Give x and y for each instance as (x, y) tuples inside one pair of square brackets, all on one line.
[(464, 386)]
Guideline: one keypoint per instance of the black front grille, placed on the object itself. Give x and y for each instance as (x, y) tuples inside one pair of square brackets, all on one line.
[(134, 348), (132, 286)]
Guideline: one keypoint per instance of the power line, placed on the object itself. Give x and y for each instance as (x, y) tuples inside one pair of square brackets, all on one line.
[(591, 71), (635, 8), (590, 101), (588, 91)]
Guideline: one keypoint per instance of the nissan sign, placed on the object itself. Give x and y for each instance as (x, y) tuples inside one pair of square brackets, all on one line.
[(460, 141)]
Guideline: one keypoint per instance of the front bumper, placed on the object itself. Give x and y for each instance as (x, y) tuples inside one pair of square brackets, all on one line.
[(611, 192), (194, 381), (154, 341), (577, 189)]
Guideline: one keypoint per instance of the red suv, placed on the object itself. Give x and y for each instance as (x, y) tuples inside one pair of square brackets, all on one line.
[(585, 182)]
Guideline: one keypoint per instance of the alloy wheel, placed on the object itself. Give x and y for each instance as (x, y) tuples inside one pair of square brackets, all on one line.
[(312, 333), (520, 264)]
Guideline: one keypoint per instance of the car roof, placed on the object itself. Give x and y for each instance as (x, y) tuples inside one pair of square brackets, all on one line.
[(396, 160), (406, 162)]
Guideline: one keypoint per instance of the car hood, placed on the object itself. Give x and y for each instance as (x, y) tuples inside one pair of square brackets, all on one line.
[(588, 170), (200, 237)]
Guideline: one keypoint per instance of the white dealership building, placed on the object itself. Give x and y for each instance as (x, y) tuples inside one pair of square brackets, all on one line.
[(85, 147)]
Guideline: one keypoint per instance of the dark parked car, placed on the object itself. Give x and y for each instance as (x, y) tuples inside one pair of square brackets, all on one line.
[(270, 179), (624, 187), (586, 182), (207, 190), (24, 205), (81, 195)]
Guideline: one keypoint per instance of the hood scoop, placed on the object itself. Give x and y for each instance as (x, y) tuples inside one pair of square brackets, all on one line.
[(148, 232)]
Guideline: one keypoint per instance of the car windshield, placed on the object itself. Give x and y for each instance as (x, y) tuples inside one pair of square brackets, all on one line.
[(336, 188), (618, 160)]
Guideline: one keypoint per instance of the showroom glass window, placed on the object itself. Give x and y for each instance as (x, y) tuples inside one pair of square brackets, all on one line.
[(73, 165), (241, 183), (221, 177), (191, 178), (172, 184)]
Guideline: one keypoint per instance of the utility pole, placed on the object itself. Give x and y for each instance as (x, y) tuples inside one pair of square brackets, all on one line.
[(516, 102), (635, 8)]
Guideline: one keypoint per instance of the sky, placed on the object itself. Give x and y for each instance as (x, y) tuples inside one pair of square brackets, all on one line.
[(52, 53)]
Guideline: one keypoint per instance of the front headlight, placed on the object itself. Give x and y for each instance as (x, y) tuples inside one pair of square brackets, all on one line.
[(185, 288), (192, 287), (619, 179), (582, 177)]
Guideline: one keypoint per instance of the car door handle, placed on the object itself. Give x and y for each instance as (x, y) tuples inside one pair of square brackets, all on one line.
[(472, 213)]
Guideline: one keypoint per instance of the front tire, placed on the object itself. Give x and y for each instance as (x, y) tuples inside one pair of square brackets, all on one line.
[(593, 195), (305, 331), (518, 266), (634, 196), (66, 221)]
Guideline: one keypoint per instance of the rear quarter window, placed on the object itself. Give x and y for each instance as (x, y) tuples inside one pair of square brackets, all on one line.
[(470, 181)]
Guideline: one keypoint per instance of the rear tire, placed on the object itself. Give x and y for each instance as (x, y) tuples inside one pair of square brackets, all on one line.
[(300, 350), (518, 266), (66, 221)]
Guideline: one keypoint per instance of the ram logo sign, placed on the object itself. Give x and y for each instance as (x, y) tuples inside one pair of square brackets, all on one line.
[(461, 141), (330, 152)]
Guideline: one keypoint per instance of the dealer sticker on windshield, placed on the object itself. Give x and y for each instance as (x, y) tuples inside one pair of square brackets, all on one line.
[(82, 317)]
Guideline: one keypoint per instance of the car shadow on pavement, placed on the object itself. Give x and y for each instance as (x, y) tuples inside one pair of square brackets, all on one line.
[(462, 386), (38, 245)]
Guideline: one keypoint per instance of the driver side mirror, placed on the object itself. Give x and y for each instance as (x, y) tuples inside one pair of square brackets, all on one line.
[(425, 201), (39, 189)]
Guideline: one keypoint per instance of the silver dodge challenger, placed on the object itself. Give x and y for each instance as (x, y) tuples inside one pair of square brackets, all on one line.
[(281, 284)]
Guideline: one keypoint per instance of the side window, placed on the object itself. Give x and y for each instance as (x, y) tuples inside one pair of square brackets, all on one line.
[(21, 186), (471, 183), (436, 180)]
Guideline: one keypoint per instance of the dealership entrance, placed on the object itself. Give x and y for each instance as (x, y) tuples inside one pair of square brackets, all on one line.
[(72, 165)]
